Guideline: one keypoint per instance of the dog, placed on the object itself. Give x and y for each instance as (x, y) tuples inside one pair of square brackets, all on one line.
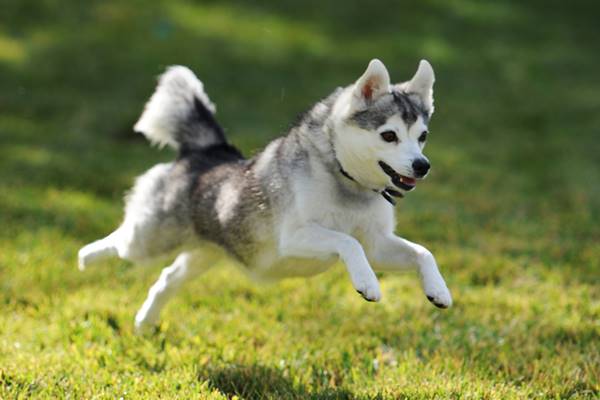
[(323, 192)]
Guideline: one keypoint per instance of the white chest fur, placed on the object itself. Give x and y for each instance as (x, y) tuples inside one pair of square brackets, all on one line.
[(316, 203)]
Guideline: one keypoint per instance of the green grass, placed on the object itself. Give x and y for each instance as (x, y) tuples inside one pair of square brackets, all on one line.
[(511, 210)]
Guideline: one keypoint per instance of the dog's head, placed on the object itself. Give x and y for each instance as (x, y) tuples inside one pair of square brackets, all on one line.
[(380, 129)]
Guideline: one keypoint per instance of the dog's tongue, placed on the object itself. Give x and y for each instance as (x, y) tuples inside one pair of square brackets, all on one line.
[(407, 180)]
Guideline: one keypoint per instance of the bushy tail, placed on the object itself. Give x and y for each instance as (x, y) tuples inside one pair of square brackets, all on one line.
[(180, 114)]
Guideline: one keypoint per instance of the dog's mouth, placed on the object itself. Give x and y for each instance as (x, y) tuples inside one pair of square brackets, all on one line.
[(401, 181)]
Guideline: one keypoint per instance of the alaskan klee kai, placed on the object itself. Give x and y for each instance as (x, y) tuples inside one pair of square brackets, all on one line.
[(324, 191)]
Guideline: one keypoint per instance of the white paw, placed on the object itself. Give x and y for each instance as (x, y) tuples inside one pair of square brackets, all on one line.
[(81, 261), (368, 286), (438, 294), (143, 324)]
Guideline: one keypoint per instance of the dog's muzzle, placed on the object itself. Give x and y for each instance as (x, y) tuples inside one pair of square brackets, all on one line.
[(400, 181)]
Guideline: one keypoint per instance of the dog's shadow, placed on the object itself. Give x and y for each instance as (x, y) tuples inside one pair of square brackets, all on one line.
[(250, 382)]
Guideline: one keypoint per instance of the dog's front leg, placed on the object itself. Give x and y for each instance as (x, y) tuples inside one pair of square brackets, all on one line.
[(392, 253), (314, 241)]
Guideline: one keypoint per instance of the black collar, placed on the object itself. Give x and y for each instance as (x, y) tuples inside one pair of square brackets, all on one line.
[(386, 193), (347, 175)]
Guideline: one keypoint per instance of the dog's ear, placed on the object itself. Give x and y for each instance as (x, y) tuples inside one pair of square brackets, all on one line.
[(422, 84), (372, 84)]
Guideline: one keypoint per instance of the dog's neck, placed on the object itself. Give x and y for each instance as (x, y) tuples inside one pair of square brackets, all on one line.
[(318, 130), (387, 194)]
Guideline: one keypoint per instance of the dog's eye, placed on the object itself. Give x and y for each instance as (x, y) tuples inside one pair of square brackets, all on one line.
[(423, 137), (389, 136)]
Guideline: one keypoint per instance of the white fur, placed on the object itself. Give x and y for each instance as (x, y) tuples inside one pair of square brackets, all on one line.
[(372, 84), (312, 231), (142, 236), (422, 84), (358, 150), (186, 266), (173, 97), (227, 200)]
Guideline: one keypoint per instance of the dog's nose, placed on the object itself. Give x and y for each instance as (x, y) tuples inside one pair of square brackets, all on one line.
[(420, 167)]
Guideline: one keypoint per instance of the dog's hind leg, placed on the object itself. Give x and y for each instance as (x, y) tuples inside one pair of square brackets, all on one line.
[(98, 250), (186, 266)]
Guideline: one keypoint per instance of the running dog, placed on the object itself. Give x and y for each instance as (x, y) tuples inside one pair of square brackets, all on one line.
[(324, 191)]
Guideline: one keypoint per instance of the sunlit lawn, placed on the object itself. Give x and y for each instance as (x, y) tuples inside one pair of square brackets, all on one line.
[(511, 209)]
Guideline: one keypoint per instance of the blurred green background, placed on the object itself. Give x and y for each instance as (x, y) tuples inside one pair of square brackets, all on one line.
[(511, 209)]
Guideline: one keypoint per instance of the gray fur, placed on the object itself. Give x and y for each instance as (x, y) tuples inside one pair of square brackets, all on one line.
[(396, 102), (194, 181)]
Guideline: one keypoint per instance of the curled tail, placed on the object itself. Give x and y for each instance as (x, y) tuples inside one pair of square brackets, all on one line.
[(180, 114)]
